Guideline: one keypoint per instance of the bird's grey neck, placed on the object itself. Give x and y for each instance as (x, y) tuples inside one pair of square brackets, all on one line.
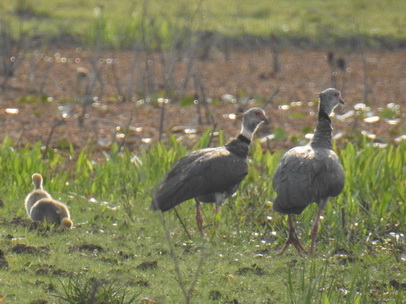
[(248, 129), (322, 135)]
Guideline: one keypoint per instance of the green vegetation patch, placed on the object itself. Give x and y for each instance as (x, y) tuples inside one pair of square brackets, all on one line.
[(163, 24), (120, 251)]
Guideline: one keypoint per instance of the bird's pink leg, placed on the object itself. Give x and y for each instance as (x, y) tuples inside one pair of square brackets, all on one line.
[(315, 230), (292, 238), (199, 218), (217, 210)]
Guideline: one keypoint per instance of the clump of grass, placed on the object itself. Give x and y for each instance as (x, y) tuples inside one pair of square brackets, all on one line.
[(321, 281), (374, 189), (82, 290)]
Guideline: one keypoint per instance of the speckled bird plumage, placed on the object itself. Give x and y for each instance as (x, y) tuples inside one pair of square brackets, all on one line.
[(306, 175), (310, 174)]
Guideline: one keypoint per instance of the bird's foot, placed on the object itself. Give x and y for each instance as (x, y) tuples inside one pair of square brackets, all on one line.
[(293, 239)]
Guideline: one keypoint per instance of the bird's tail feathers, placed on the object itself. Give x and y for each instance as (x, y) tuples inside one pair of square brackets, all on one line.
[(168, 196), (155, 205), (276, 205), (288, 209)]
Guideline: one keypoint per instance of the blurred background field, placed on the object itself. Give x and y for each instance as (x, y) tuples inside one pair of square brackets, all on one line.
[(101, 68), (314, 22)]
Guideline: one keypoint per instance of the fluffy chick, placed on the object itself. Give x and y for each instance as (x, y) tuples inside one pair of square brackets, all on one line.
[(51, 211), (37, 194)]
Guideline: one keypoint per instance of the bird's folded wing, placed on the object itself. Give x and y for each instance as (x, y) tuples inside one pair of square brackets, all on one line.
[(208, 173)]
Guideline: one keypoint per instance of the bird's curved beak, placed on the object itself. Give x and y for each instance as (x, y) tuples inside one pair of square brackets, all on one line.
[(340, 99)]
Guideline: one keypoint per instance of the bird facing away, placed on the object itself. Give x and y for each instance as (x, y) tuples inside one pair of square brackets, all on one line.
[(41, 206), (37, 194), (51, 211), (209, 175), (310, 174)]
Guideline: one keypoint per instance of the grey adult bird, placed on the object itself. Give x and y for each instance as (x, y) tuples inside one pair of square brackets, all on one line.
[(310, 174), (209, 175)]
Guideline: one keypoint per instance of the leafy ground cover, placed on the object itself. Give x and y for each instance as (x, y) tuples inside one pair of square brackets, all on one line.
[(123, 252)]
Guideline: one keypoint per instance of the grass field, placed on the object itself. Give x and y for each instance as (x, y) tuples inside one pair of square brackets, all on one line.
[(121, 252), (160, 24)]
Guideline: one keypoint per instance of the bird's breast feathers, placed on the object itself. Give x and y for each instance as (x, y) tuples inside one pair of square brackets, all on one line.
[(309, 165)]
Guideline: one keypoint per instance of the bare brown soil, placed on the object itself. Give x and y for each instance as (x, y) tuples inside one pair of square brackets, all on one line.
[(63, 75)]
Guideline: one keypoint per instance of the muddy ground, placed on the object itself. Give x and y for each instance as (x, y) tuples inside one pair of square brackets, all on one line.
[(48, 89)]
